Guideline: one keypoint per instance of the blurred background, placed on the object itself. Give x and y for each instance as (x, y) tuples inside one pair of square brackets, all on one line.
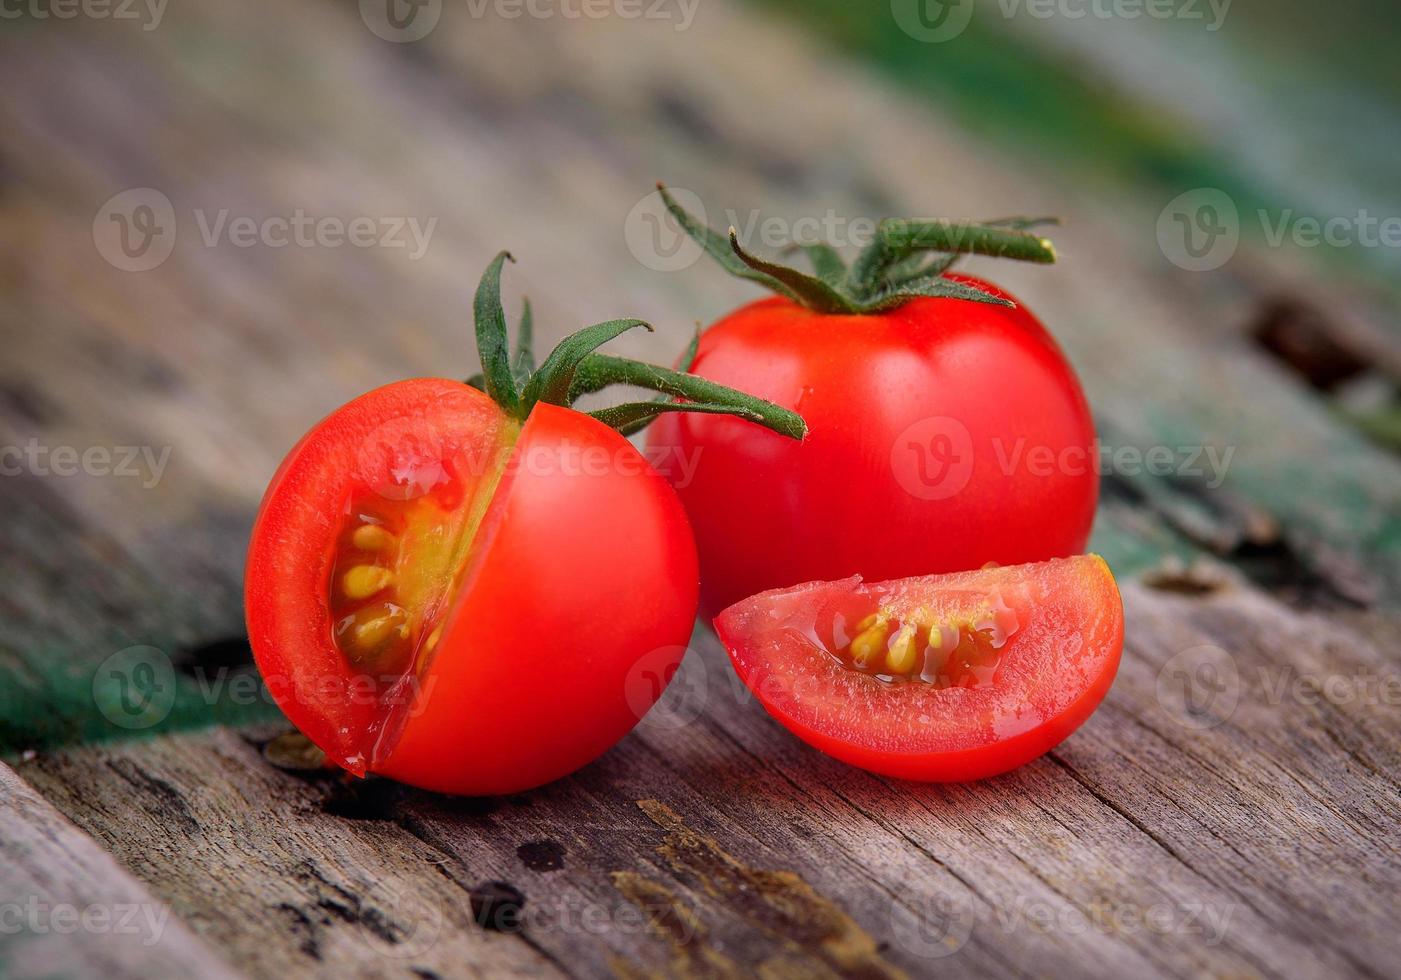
[(220, 221)]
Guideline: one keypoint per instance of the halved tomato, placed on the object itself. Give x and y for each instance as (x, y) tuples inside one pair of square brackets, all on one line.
[(480, 591), (939, 678), (441, 595)]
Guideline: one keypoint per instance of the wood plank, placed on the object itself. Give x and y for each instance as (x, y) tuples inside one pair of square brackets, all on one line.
[(166, 571), (1250, 830), (249, 858), (1245, 835), (68, 909)]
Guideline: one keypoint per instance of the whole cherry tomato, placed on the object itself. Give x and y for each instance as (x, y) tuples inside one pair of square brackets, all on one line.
[(479, 592), (946, 428)]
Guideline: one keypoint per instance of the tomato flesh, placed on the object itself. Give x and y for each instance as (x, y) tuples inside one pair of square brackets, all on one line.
[(437, 593), (398, 561), (938, 678)]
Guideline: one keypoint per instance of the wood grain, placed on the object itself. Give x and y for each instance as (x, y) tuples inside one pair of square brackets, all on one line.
[(1242, 824), (68, 909), (1231, 811)]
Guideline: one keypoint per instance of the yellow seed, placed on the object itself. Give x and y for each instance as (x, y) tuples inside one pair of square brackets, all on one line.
[(903, 651), (433, 638), (375, 629), (868, 622), (363, 581), (372, 537), (870, 642)]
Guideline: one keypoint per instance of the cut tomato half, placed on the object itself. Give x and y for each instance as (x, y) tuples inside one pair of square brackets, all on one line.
[(441, 594), (939, 678)]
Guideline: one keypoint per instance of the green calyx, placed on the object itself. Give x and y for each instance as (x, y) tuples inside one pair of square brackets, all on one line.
[(573, 369), (907, 258)]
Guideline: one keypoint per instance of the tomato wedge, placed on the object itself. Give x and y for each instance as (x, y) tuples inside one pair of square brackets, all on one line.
[(941, 678)]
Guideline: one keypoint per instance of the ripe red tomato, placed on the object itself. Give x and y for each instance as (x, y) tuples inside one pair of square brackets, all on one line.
[(922, 424), (944, 433), (426, 622), (471, 593), (939, 678)]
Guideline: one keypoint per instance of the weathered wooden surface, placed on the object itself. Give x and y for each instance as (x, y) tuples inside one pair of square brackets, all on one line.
[(1251, 830), (68, 909)]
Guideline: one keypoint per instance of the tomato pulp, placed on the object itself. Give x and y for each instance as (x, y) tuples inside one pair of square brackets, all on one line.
[(442, 594), (937, 678), (943, 434)]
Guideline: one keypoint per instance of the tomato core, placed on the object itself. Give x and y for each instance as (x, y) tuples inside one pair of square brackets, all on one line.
[(956, 645)]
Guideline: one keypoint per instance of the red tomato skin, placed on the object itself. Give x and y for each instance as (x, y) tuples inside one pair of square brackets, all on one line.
[(575, 609), (290, 556), (851, 499), (1085, 594), (579, 607)]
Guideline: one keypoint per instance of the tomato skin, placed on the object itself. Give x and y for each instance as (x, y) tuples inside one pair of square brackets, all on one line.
[(862, 494), (583, 597), (1056, 670), (290, 555), (573, 610)]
